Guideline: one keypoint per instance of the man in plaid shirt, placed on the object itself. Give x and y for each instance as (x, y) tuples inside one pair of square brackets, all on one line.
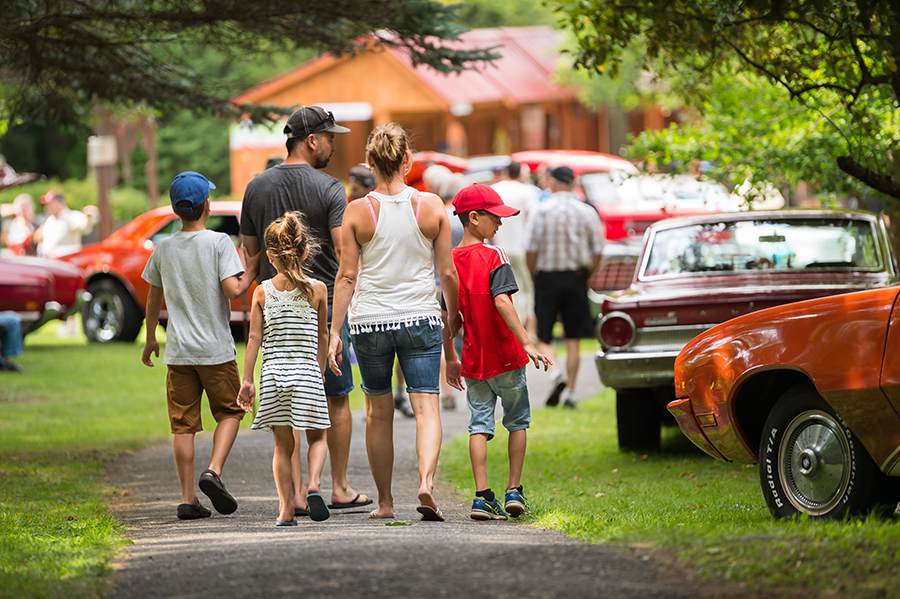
[(564, 242)]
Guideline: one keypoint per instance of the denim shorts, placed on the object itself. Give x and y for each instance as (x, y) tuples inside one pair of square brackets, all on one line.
[(417, 347), (482, 397), (338, 386)]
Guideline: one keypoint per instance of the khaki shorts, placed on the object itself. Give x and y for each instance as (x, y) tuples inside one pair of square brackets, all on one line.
[(185, 385)]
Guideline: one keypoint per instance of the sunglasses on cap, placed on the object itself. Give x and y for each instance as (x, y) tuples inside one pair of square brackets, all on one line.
[(321, 122)]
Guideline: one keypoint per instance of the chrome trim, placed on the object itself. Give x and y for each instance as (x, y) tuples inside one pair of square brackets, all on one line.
[(615, 314), (51, 311), (650, 361), (666, 338), (81, 298), (620, 371)]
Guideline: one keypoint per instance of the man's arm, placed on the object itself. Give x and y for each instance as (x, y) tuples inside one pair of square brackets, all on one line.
[(336, 240), (531, 262)]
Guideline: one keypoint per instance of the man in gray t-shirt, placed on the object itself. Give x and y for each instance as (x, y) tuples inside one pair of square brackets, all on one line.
[(297, 184)]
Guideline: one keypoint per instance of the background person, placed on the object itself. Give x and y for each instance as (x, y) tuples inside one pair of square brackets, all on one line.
[(449, 188), (563, 249), (17, 236), (387, 270), (298, 184), (362, 181), (61, 233), (511, 237), (10, 341)]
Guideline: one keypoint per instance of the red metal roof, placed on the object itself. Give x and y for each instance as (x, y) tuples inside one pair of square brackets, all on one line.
[(523, 74)]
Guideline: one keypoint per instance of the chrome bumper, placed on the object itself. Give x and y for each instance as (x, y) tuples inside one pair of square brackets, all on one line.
[(624, 370), (54, 310)]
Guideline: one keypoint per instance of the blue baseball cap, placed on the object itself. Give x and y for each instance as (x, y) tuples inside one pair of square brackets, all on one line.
[(189, 187)]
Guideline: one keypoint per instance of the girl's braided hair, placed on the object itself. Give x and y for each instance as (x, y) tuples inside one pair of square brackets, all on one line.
[(288, 239)]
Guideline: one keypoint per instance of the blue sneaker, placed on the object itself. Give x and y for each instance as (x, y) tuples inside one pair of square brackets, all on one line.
[(487, 510), (516, 503)]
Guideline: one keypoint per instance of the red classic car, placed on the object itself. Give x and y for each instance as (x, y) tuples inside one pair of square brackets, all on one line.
[(810, 391), (115, 311), (40, 290), (697, 272)]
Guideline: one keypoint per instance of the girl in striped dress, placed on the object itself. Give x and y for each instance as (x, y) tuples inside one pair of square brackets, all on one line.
[(289, 317)]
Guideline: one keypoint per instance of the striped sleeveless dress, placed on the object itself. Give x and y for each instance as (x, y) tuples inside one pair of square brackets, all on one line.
[(291, 388)]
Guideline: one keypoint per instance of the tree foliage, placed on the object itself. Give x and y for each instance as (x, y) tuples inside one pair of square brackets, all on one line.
[(835, 59), (57, 57)]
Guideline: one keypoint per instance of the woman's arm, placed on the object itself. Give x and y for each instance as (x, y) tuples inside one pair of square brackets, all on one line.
[(345, 281), (443, 253), (248, 391)]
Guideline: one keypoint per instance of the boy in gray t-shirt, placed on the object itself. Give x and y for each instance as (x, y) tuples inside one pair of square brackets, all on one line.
[(198, 271)]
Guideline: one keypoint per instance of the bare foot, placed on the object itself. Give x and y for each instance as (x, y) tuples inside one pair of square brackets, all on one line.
[(351, 496), (381, 513), (427, 499)]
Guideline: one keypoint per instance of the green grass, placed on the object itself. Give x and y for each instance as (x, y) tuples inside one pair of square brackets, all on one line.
[(710, 515), (79, 405), (76, 407)]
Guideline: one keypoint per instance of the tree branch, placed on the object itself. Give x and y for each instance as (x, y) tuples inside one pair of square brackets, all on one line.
[(883, 183)]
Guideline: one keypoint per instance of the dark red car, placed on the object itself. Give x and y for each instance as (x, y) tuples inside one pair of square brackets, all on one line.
[(39, 290), (115, 311), (697, 272)]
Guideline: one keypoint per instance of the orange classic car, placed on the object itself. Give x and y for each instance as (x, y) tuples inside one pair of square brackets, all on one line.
[(115, 311), (811, 392)]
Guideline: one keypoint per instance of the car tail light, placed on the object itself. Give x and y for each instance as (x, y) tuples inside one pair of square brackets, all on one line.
[(616, 330)]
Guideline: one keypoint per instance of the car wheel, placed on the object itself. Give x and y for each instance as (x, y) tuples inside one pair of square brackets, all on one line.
[(811, 462), (111, 314), (637, 419)]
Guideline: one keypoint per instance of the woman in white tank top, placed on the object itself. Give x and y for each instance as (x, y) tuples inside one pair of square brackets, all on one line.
[(386, 279)]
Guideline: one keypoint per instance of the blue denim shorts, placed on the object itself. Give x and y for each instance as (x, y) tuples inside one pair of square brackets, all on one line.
[(482, 395), (338, 386), (417, 347)]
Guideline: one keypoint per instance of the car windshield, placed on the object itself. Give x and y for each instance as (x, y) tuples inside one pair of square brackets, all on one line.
[(752, 245), (655, 190)]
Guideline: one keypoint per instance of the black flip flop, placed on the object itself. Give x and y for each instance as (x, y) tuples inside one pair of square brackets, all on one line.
[(352, 503), (430, 514), (299, 512), (318, 509), (189, 511), (214, 488)]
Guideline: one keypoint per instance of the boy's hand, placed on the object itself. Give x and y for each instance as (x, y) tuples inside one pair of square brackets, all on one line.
[(454, 379), (151, 347), (246, 396), (538, 358)]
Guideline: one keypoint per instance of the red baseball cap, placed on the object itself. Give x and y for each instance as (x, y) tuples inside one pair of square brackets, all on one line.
[(481, 197)]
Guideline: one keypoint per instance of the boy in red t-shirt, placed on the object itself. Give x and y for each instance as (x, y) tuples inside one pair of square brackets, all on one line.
[(496, 348)]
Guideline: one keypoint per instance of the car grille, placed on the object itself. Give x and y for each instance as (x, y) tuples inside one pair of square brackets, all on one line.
[(615, 272)]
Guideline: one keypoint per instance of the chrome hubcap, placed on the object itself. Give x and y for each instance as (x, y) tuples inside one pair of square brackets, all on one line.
[(104, 316), (815, 462)]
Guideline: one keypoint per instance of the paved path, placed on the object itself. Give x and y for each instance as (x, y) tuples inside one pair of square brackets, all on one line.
[(351, 555)]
